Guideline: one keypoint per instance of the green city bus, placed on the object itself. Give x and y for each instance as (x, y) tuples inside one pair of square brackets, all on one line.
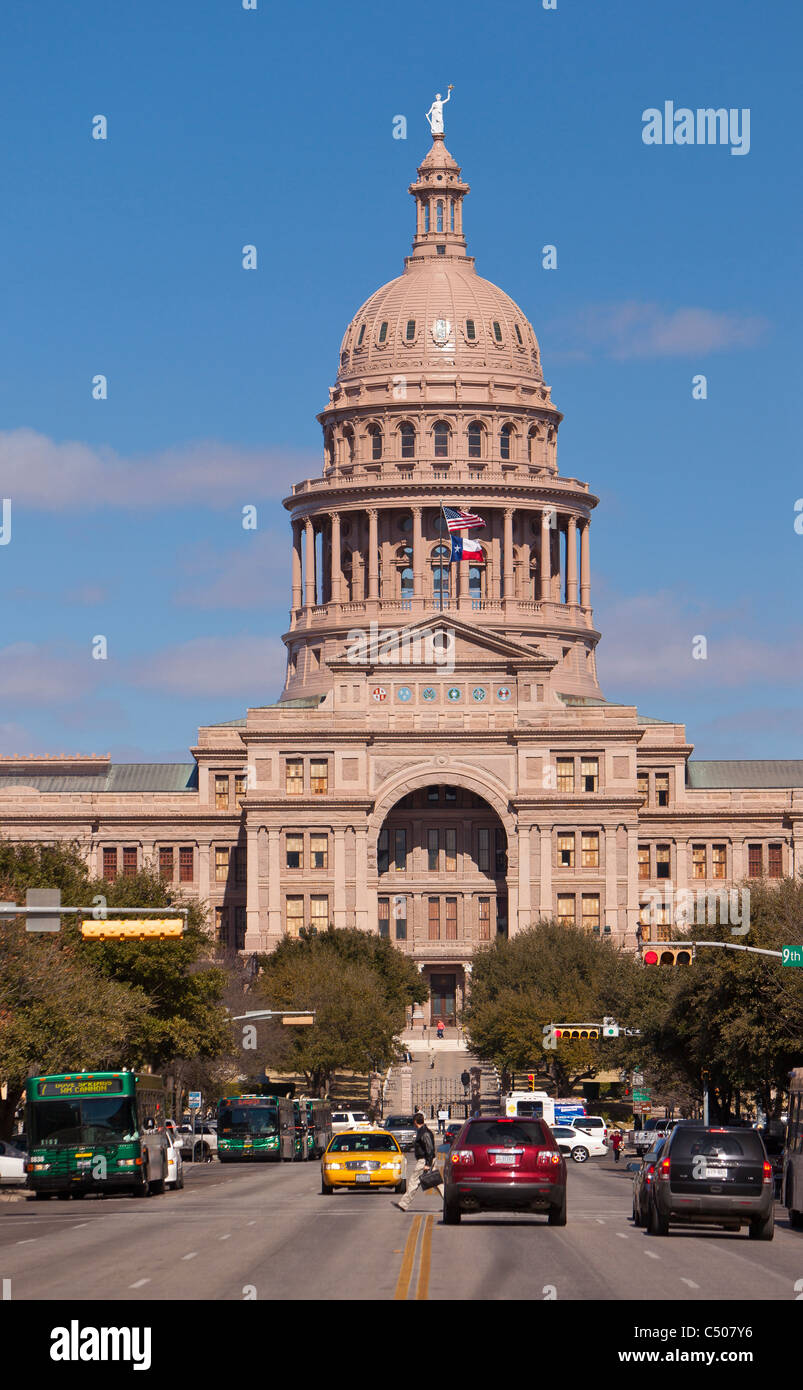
[(301, 1128), (98, 1131), (255, 1127), (319, 1126)]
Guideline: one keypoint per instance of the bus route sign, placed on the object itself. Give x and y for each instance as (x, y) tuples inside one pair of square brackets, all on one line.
[(792, 955)]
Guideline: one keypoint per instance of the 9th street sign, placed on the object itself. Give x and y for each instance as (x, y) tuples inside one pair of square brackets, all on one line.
[(792, 955)]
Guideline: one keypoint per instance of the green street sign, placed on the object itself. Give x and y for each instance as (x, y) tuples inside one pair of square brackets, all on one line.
[(641, 1097), (792, 955)]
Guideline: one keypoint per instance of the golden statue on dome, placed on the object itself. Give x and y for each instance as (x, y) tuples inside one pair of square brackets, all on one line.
[(435, 112)]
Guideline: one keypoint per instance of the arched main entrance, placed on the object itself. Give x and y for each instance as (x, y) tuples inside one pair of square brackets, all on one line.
[(442, 864)]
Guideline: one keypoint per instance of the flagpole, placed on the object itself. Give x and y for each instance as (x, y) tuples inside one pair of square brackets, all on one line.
[(440, 556)]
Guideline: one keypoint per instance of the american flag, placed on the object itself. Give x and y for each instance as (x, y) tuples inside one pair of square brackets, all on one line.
[(458, 520)]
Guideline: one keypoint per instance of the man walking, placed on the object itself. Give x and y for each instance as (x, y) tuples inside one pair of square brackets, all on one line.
[(424, 1151)]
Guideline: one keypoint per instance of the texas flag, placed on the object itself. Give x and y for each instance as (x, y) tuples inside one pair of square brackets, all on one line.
[(466, 548)]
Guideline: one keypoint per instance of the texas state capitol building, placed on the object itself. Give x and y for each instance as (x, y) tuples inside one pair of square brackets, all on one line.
[(442, 766)]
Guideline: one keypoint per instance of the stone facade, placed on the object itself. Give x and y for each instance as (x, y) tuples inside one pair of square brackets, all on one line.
[(442, 765)]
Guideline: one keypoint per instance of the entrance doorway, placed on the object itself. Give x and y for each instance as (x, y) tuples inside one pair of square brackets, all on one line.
[(443, 998)]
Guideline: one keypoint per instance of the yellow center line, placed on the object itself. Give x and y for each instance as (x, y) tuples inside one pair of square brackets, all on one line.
[(407, 1260), (422, 1292)]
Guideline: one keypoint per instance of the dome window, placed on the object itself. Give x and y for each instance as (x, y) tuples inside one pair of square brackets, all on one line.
[(518, 335), (475, 433), (497, 331), (407, 582), (439, 215), (471, 332), (409, 332), (441, 250), (426, 217), (475, 582), (407, 433), (362, 335), (451, 214), (383, 331), (440, 436), (376, 441), (505, 436)]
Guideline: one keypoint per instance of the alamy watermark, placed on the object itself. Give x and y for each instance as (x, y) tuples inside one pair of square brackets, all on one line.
[(404, 646), (697, 907), (705, 126)]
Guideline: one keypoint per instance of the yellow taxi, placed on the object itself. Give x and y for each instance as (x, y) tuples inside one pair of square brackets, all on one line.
[(363, 1158)]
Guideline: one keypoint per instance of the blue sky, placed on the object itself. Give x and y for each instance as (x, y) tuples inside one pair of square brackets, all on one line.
[(274, 127)]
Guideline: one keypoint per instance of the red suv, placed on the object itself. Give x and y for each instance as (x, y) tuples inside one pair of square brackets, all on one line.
[(500, 1163)]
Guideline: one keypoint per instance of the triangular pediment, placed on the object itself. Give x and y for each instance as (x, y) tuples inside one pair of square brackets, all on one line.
[(436, 639)]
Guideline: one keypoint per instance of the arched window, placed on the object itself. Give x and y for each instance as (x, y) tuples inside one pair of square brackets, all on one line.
[(348, 439), (410, 330), (475, 581), (407, 582), (329, 447), (497, 331), (407, 433), (441, 570), (383, 331), (475, 433), (471, 331), (426, 217), (376, 441), (362, 335), (439, 215), (440, 438), (505, 437), (532, 444), (451, 214)]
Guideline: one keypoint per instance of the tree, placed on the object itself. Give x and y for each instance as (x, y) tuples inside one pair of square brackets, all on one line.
[(358, 984), (548, 974)]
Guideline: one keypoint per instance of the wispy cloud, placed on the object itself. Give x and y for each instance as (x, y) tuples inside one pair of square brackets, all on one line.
[(254, 575), (634, 330), (247, 667), (40, 472)]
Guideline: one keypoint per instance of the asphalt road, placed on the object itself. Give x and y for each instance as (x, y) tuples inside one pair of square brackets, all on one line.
[(267, 1233)]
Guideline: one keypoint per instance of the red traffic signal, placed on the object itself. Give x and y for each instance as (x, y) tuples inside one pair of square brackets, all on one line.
[(669, 953)]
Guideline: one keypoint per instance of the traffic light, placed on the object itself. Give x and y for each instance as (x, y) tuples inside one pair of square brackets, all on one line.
[(572, 1033), (531, 1079), (667, 953), (131, 928)]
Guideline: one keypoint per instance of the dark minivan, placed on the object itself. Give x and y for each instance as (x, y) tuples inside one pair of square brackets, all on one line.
[(500, 1163), (713, 1176)]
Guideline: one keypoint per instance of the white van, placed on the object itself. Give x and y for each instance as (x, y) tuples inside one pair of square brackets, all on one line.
[(350, 1119)]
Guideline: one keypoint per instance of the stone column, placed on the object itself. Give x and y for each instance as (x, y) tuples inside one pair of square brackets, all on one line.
[(365, 921), (585, 564), (609, 915), (418, 555), (253, 934), (309, 563), (571, 561), (546, 871), (681, 865), (269, 847), (204, 883), (525, 874), (340, 877), (373, 558), (546, 556), (336, 584), (632, 885), (296, 566), (508, 553)]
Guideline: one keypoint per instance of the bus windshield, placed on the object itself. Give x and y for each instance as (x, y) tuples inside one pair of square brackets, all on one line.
[(84, 1120), (249, 1119)]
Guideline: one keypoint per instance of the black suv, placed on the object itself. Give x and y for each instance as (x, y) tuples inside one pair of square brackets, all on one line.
[(709, 1175)]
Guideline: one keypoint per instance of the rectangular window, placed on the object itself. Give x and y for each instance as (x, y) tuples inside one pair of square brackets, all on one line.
[(590, 911), (484, 907), (432, 851), (433, 793), (319, 851), (319, 777), (450, 851), (662, 788), (565, 774), (483, 849), (384, 917), (718, 861), (129, 862), (110, 863), (643, 784), (219, 924), (775, 861), (451, 919), (222, 857), (755, 861), (221, 793), (294, 916), (566, 909), (565, 851), (240, 783), (240, 865), (450, 793), (434, 905), (382, 852), (186, 864), (501, 851), (698, 858), (294, 777), (239, 928), (589, 771), (166, 862), (662, 861), (590, 850), (663, 923), (400, 851), (400, 917), (294, 851), (319, 911), (643, 861)]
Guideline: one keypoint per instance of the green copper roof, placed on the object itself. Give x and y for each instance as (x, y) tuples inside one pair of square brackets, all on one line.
[(744, 772), (120, 777)]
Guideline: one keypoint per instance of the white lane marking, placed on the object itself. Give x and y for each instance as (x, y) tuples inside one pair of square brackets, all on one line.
[(139, 1283), (225, 1237), (690, 1283), (652, 1254), (251, 1223), (621, 1235), (191, 1255), (29, 1241), (80, 1225), (600, 1221)]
